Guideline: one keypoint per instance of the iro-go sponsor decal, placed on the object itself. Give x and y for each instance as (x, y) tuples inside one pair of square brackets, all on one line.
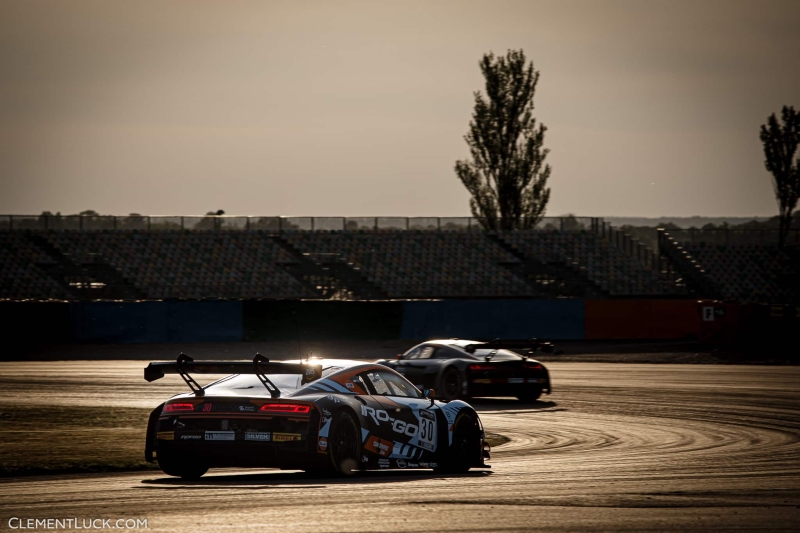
[(323, 443), (165, 435)]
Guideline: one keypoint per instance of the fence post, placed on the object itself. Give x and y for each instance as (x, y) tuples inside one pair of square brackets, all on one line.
[(148, 222), (280, 224), (376, 223), (45, 222), (80, 222), (312, 223), (247, 224), (182, 224), (408, 225), (439, 223), (115, 223)]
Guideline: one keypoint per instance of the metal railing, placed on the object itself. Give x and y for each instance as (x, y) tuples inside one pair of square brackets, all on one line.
[(726, 236), (269, 224)]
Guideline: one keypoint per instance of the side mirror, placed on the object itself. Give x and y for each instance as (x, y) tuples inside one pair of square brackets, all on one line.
[(429, 394), (399, 356)]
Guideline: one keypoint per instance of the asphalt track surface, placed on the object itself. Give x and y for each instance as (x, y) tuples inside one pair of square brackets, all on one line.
[(617, 447)]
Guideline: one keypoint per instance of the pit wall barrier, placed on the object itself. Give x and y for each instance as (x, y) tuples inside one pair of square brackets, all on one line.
[(230, 321), (660, 319)]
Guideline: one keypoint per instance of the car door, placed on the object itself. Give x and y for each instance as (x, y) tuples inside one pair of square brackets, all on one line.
[(398, 415), (415, 366)]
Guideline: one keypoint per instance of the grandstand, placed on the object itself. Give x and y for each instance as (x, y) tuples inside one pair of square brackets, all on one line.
[(390, 258)]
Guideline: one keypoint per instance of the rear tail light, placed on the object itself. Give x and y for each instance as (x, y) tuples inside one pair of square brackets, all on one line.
[(533, 366), (178, 407), (481, 368), (287, 408)]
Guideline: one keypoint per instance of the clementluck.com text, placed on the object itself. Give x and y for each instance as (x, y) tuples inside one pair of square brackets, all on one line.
[(77, 523)]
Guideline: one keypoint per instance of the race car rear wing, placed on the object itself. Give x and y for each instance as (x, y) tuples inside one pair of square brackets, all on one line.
[(260, 366), (522, 346)]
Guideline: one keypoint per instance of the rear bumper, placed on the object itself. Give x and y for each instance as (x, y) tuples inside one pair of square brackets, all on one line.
[(244, 441), (507, 386), (287, 455)]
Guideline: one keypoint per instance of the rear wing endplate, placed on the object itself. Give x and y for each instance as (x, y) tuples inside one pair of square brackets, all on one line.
[(522, 346), (260, 366)]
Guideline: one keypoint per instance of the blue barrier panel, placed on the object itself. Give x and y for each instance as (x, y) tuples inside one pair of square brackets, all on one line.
[(204, 321), (134, 322), (488, 319)]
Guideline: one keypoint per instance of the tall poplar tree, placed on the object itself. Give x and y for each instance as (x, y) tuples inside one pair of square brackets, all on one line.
[(507, 176), (780, 146)]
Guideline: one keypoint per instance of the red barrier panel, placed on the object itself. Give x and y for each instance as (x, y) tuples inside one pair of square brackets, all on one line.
[(660, 319)]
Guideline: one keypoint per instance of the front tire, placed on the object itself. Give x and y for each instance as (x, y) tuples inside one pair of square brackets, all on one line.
[(184, 468), (344, 444), (451, 386), (466, 446)]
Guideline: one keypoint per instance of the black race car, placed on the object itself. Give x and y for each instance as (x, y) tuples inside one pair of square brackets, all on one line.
[(458, 368), (314, 415)]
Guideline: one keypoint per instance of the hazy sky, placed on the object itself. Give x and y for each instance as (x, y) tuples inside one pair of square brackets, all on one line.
[(360, 108)]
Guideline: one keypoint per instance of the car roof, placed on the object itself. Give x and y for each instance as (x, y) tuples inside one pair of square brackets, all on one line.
[(452, 342), (328, 363)]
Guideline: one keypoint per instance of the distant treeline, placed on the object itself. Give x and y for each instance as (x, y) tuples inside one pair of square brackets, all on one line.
[(649, 234)]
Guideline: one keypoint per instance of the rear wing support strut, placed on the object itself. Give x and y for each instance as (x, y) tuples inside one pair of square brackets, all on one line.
[(194, 385)]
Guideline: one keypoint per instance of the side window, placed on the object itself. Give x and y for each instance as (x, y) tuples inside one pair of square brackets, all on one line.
[(427, 352), (413, 354), (389, 384), (378, 384), (446, 353)]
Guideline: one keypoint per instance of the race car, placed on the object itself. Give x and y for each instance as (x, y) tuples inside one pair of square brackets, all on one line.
[(459, 368), (334, 416)]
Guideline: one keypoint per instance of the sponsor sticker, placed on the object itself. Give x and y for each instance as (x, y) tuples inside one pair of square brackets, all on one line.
[(401, 463), (379, 446), (383, 463), (165, 435), (349, 385), (191, 437), (516, 380), (323, 443), (247, 408), (220, 435), (284, 437), (482, 380), (257, 435)]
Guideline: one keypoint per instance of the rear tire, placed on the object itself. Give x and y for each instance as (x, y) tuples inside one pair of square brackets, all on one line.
[(451, 386), (530, 395), (184, 468), (344, 444), (466, 447)]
